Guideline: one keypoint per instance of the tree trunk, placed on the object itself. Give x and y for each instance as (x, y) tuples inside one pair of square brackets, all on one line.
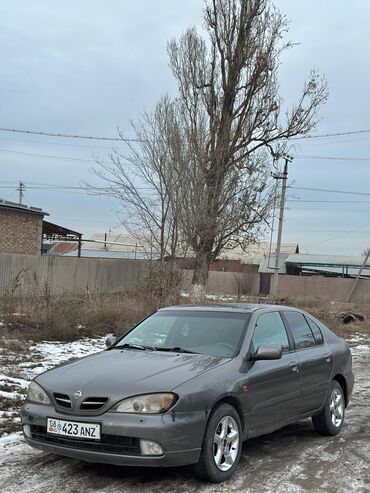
[(200, 275)]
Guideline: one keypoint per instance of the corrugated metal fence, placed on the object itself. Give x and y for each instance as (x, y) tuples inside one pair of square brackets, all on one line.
[(29, 275)]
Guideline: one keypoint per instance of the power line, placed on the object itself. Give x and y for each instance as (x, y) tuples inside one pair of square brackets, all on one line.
[(363, 138), (367, 211), (119, 139), (330, 191), (337, 134), (68, 144), (333, 158), (68, 136), (330, 201), (71, 158), (53, 156), (336, 237), (45, 186), (320, 231)]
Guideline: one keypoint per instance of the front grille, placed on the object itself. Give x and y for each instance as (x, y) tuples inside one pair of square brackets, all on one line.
[(110, 444), (63, 400), (93, 403)]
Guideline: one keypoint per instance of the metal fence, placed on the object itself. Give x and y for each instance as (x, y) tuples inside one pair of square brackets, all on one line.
[(31, 275)]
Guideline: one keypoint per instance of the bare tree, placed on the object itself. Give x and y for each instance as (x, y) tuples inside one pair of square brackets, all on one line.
[(229, 110), (207, 156), (144, 180)]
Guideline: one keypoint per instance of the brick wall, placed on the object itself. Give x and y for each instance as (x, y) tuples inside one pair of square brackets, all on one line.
[(20, 232)]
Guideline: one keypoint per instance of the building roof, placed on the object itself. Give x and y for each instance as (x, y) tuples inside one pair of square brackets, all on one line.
[(62, 247), (267, 264), (312, 262), (15, 207), (55, 231), (256, 252), (326, 261), (118, 242), (110, 254)]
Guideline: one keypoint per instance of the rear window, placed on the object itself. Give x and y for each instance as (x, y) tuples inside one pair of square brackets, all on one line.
[(316, 332), (302, 334)]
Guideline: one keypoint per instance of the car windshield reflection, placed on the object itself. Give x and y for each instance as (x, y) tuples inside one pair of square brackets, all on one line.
[(209, 333)]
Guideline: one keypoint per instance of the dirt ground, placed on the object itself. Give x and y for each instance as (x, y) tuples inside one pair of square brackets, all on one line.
[(294, 459)]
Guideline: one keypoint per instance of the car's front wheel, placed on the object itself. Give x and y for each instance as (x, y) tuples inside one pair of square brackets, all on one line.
[(331, 418), (222, 445)]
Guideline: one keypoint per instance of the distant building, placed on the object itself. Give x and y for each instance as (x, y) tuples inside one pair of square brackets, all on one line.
[(20, 228), (100, 245), (23, 230), (124, 245)]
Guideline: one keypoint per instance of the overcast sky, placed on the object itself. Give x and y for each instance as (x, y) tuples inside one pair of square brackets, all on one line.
[(84, 67)]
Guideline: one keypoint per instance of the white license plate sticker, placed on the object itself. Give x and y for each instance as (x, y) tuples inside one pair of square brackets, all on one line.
[(73, 429)]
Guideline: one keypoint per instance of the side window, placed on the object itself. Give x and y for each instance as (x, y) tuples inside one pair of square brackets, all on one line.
[(316, 332), (301, 331), (270, 331)]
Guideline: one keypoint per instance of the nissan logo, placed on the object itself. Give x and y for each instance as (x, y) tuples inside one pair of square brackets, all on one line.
[(77, 394)]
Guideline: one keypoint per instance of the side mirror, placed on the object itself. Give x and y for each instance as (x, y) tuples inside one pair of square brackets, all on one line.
[(110, 341), (267, 353)]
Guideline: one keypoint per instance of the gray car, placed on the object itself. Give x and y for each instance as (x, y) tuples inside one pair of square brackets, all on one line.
[(189, 384)]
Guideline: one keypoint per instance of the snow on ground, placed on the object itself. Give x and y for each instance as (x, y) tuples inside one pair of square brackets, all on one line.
[(19, 365)]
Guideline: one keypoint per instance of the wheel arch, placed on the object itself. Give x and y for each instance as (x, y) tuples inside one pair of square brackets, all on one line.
[(342, 382), (233, 401)]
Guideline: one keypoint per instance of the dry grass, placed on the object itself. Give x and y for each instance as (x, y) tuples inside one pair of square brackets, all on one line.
[(67, 318)]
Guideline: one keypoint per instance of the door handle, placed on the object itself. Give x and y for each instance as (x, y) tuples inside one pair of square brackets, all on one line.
[(293, 365), (327, 356)]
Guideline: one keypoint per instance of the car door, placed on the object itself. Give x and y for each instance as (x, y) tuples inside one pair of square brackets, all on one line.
[(315, 357), (273, 385)]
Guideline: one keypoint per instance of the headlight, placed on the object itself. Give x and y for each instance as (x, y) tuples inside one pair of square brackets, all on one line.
[(146, 404), (37, 394)]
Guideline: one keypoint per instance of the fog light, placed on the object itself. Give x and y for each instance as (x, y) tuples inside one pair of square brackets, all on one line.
[(150, 448), (27, 431)]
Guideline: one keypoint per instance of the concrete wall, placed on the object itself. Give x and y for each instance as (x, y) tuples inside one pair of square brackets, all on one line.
[(294, 287), (29, 275), (20, 232), (325, 288), (227, 283)]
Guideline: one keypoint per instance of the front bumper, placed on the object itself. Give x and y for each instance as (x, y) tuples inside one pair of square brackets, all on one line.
[(179, 434)]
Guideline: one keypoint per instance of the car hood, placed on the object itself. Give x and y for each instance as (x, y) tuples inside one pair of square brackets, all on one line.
[(122, 373)]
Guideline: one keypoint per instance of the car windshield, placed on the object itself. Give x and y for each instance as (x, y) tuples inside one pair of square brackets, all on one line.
[(210, 333)]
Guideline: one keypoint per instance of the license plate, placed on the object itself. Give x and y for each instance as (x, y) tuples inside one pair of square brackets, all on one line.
[(73, 429)]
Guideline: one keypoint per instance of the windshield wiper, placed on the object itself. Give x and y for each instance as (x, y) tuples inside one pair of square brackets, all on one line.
[(134, 346), (176, 349)]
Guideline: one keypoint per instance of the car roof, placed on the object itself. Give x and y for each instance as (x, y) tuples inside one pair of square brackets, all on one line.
[(227, 307)]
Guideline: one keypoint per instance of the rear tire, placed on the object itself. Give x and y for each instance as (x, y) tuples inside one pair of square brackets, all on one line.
[(222, 445), (330, 420)]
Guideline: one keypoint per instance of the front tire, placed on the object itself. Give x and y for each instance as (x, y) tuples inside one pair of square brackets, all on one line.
[(330, 420), (221, 447)]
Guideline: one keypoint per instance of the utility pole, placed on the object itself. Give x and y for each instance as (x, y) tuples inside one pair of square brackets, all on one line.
[(21, 189), (275, 278), (367, 255)]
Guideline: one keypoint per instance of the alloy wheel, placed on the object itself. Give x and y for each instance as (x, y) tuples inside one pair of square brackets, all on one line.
[(336, 407), (226, 443)]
